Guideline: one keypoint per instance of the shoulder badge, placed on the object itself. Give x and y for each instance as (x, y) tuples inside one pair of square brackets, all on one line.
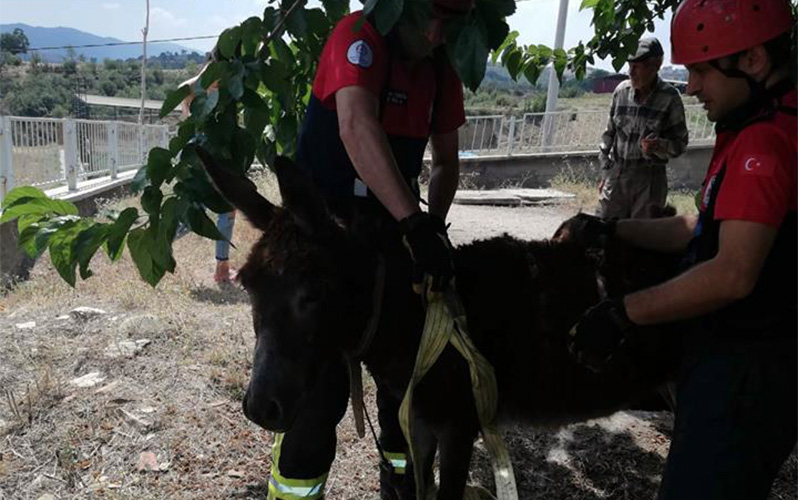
[(360, 54)]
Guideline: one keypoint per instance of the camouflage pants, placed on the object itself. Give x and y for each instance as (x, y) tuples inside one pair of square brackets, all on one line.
[(633, 193)]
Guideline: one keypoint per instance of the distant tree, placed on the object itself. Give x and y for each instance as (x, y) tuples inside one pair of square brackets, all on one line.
[(15, 42)]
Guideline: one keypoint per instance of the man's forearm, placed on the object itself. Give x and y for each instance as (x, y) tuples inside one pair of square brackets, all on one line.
[(671, 234), (442, 188), (702, 289)]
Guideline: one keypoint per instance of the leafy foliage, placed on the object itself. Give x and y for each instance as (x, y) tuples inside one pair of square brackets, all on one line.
[(249, 103), (15, 42)]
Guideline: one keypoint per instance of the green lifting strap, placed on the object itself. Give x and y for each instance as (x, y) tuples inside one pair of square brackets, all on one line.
[(446, 322), (282, 488)]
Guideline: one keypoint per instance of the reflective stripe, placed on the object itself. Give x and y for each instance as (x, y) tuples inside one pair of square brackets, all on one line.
[(292, 489), (398, 461)]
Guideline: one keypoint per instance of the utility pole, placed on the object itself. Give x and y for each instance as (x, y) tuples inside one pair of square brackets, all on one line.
[(553, 86), (144, 59), (144, 81)]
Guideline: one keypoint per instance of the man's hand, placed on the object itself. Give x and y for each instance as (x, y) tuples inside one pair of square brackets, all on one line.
[(586, 230), (425, 237), (599, 334), (653, 146)]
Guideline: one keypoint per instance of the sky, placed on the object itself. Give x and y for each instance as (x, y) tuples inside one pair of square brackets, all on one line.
[(535, 20)]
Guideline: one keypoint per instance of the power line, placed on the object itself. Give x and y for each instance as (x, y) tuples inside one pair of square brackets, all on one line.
[(112, 44)]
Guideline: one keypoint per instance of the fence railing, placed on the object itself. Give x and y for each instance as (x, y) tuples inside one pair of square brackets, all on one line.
[(47, 152), (559, 131), (51, 152)]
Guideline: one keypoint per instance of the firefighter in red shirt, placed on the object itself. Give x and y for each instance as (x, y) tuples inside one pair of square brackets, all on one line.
[(736, 415), (376, 103)]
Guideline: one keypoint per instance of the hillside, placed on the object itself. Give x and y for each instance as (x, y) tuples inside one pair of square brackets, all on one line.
[(64, 37)]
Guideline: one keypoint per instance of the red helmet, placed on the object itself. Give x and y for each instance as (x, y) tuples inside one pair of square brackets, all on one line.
[(704, 30)]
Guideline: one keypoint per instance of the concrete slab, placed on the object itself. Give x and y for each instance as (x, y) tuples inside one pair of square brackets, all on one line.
[(509, 197)]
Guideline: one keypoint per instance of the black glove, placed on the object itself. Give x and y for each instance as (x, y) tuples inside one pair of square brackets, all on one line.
[(587, 230), (425, 237), (599, 334)]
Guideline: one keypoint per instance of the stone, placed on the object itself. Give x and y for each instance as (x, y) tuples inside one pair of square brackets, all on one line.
[(88, 380), (127, 348), (86, 313)]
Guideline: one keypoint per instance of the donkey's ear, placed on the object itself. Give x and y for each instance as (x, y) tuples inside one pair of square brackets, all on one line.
[(301, 197), (238, 190)]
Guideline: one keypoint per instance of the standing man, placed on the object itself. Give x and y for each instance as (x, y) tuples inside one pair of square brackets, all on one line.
[(646, 127), (736, 415), (375, 104)]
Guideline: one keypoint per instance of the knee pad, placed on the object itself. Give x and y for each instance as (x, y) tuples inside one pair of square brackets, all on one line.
[(283, 488)]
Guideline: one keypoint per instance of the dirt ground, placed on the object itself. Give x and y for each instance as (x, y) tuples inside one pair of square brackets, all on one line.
[(141, 399)]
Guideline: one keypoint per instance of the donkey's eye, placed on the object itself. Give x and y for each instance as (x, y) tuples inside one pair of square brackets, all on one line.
[(307, 299)]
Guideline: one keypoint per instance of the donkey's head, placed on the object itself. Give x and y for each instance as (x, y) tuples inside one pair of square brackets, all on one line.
[(306, 281)]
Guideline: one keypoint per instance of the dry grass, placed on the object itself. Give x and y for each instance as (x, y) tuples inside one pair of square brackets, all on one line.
[(179, 399), (583, 184)]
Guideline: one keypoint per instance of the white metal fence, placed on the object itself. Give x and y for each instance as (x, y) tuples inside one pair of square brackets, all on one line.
[(50, 152), (559, 131), (47, 152)]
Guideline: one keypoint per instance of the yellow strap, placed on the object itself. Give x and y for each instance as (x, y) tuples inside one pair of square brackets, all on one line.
[(441, 328)]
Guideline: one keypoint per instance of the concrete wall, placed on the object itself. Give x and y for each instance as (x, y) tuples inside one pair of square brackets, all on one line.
[(537, 171), (14, 264)]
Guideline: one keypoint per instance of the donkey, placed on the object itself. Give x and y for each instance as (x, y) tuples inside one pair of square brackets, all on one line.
[(312, 282)]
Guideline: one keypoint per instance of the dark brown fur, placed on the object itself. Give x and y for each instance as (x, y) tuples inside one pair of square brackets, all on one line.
[(311, 286)]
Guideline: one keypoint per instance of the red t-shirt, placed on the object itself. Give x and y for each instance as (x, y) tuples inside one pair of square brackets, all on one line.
[(760, 181), (419, 100)]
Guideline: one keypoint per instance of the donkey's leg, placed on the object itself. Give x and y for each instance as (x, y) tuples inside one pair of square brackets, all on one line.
[(425, 444), (305, 453), (397, 480), (455, 453)]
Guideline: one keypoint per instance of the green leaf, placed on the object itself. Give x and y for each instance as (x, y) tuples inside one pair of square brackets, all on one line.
[(228, 41), (61, 254), (588, 4), (204, 104), (49, 228), (283, 52), (174, 98), (200, 223), (468, 51), (185, 134), (296, 22), (318, 23), (212, 73), (118, 231), (252, 34), (336, 9), (513, 64), (38, 206), (86, 244), (167, 227), (235, 85), (19, 193), (386, 13), (27, 239), (151, 199), (559, 63), (509, 41), (532, 69), (276, 77), (159, 163), (256, 113), (140, 245)]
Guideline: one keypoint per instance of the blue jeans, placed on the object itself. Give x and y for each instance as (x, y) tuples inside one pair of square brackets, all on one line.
[(225, 226)]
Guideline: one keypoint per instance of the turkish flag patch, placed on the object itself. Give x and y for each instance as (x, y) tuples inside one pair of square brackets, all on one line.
[(761, 165)]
